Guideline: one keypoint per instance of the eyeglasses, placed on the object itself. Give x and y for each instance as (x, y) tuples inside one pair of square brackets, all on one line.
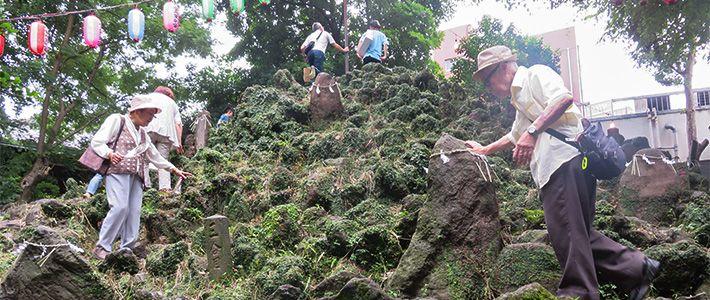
[(487, 81)]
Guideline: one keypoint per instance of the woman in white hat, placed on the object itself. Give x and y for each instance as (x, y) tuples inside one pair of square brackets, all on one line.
[(127, 174)]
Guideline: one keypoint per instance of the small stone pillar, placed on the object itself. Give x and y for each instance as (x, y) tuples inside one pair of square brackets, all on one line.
[(218, 246), (202, 128)]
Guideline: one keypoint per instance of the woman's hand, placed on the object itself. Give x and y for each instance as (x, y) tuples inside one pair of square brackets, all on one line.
[(115, 158), (180, 173)]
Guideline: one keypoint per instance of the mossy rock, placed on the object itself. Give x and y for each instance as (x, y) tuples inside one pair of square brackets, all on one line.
[(533, 291), (338, 234), (56, 209), (695, 219), (371, 212), (280, 227), (521, 264), (375, 246), (164, 262), (285, 269), (73, 189), (120, 261), (684, 267)]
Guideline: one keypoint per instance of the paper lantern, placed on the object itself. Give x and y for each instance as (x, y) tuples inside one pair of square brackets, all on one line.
[(37, 39), (92, 31), (264, 2), (670, 2), (2, 44), (237, 6), (171, 16), (208, 10), (136, 24)]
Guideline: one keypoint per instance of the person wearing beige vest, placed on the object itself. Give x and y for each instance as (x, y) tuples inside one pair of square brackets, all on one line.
[(567, 188), (127, 174)]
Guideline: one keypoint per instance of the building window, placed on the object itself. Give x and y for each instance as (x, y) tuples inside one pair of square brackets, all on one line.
[(448, 65), (660, 103), (704, 98)]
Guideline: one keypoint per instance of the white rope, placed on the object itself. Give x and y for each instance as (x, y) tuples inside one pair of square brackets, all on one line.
[(44, 256), (487, 176), (636, 169)]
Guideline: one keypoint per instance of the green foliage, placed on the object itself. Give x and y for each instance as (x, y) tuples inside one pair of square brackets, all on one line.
[(491, 32), (272, 35), (280, 226)]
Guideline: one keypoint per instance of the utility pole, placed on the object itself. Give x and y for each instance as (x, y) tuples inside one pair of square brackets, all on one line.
[(346, 33)]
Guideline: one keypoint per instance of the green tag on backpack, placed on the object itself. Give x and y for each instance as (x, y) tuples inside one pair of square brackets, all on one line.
[(585, 161)]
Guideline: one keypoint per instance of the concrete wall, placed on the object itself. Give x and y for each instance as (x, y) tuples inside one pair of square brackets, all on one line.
[(564, 42), (447, 49), (639, 124)]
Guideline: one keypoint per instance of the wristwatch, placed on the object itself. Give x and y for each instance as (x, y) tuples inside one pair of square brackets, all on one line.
[(532, 130)]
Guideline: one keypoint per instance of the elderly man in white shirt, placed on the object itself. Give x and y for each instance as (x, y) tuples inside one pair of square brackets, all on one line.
[(320, 39), (567, 190), (165, 130), (130, 152)]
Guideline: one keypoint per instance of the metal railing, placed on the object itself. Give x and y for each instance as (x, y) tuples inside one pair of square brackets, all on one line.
[(644, 104)]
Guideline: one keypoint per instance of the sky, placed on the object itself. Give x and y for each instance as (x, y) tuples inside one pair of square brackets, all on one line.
[(607, 70)]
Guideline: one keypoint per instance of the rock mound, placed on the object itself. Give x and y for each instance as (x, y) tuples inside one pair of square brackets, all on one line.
[(457, 234), (51, 272)]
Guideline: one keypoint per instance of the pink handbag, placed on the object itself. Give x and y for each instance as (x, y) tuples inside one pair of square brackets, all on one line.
[(95, 162)]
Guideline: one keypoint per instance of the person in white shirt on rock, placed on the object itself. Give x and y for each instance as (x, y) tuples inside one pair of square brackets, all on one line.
[(165, 130), (321, 40), (127, 173), (567, 188)]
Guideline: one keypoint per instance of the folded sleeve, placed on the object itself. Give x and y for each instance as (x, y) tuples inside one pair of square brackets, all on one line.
[(520, 124), (547, 86), (107, 133)]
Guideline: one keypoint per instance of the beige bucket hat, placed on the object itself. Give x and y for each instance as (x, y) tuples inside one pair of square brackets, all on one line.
[(143, 102), (492, 56)]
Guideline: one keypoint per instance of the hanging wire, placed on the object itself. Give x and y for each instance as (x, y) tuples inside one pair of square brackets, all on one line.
[(52, 15)]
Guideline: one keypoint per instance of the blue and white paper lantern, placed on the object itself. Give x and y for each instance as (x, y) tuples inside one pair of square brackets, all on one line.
[(136, 24)]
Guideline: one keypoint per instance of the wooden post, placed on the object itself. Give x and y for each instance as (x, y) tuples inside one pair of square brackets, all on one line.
[(346, 33)]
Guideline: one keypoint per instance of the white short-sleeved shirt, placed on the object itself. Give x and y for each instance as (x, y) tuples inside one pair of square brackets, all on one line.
[(322, 43), (164, 122), (532, 91)]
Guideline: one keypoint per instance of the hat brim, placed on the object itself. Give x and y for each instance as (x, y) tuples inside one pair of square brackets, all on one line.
[(479, 73), (145, 106)]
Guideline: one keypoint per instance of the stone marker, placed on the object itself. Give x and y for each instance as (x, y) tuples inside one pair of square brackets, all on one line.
[(202, 128), (218, 246), (325, 98), (458, 232), (649, 191)]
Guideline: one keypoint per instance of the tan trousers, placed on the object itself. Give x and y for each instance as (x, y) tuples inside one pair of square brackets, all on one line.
[(568, 200), (164, 145)]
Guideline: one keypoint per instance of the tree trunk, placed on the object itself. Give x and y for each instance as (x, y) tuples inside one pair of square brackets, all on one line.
[(40, 167), (39, 170), (690, 101)]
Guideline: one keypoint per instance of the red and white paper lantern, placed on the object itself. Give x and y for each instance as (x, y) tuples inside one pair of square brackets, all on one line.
[(171, 16), (92, 31), (37, 39)]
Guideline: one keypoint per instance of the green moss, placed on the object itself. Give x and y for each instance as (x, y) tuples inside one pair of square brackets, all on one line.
[(165, 261), (521, 264), (285, 269), (375, 248), (684, 267), (280, 227)]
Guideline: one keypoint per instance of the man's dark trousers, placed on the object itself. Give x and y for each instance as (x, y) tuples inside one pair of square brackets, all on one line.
[(584, 253)]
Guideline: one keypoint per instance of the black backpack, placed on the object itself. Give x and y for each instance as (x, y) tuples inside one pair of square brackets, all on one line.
[(602, 155), (312, 44)]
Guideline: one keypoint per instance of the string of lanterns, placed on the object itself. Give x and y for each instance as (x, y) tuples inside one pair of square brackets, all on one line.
[(91, 24)]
